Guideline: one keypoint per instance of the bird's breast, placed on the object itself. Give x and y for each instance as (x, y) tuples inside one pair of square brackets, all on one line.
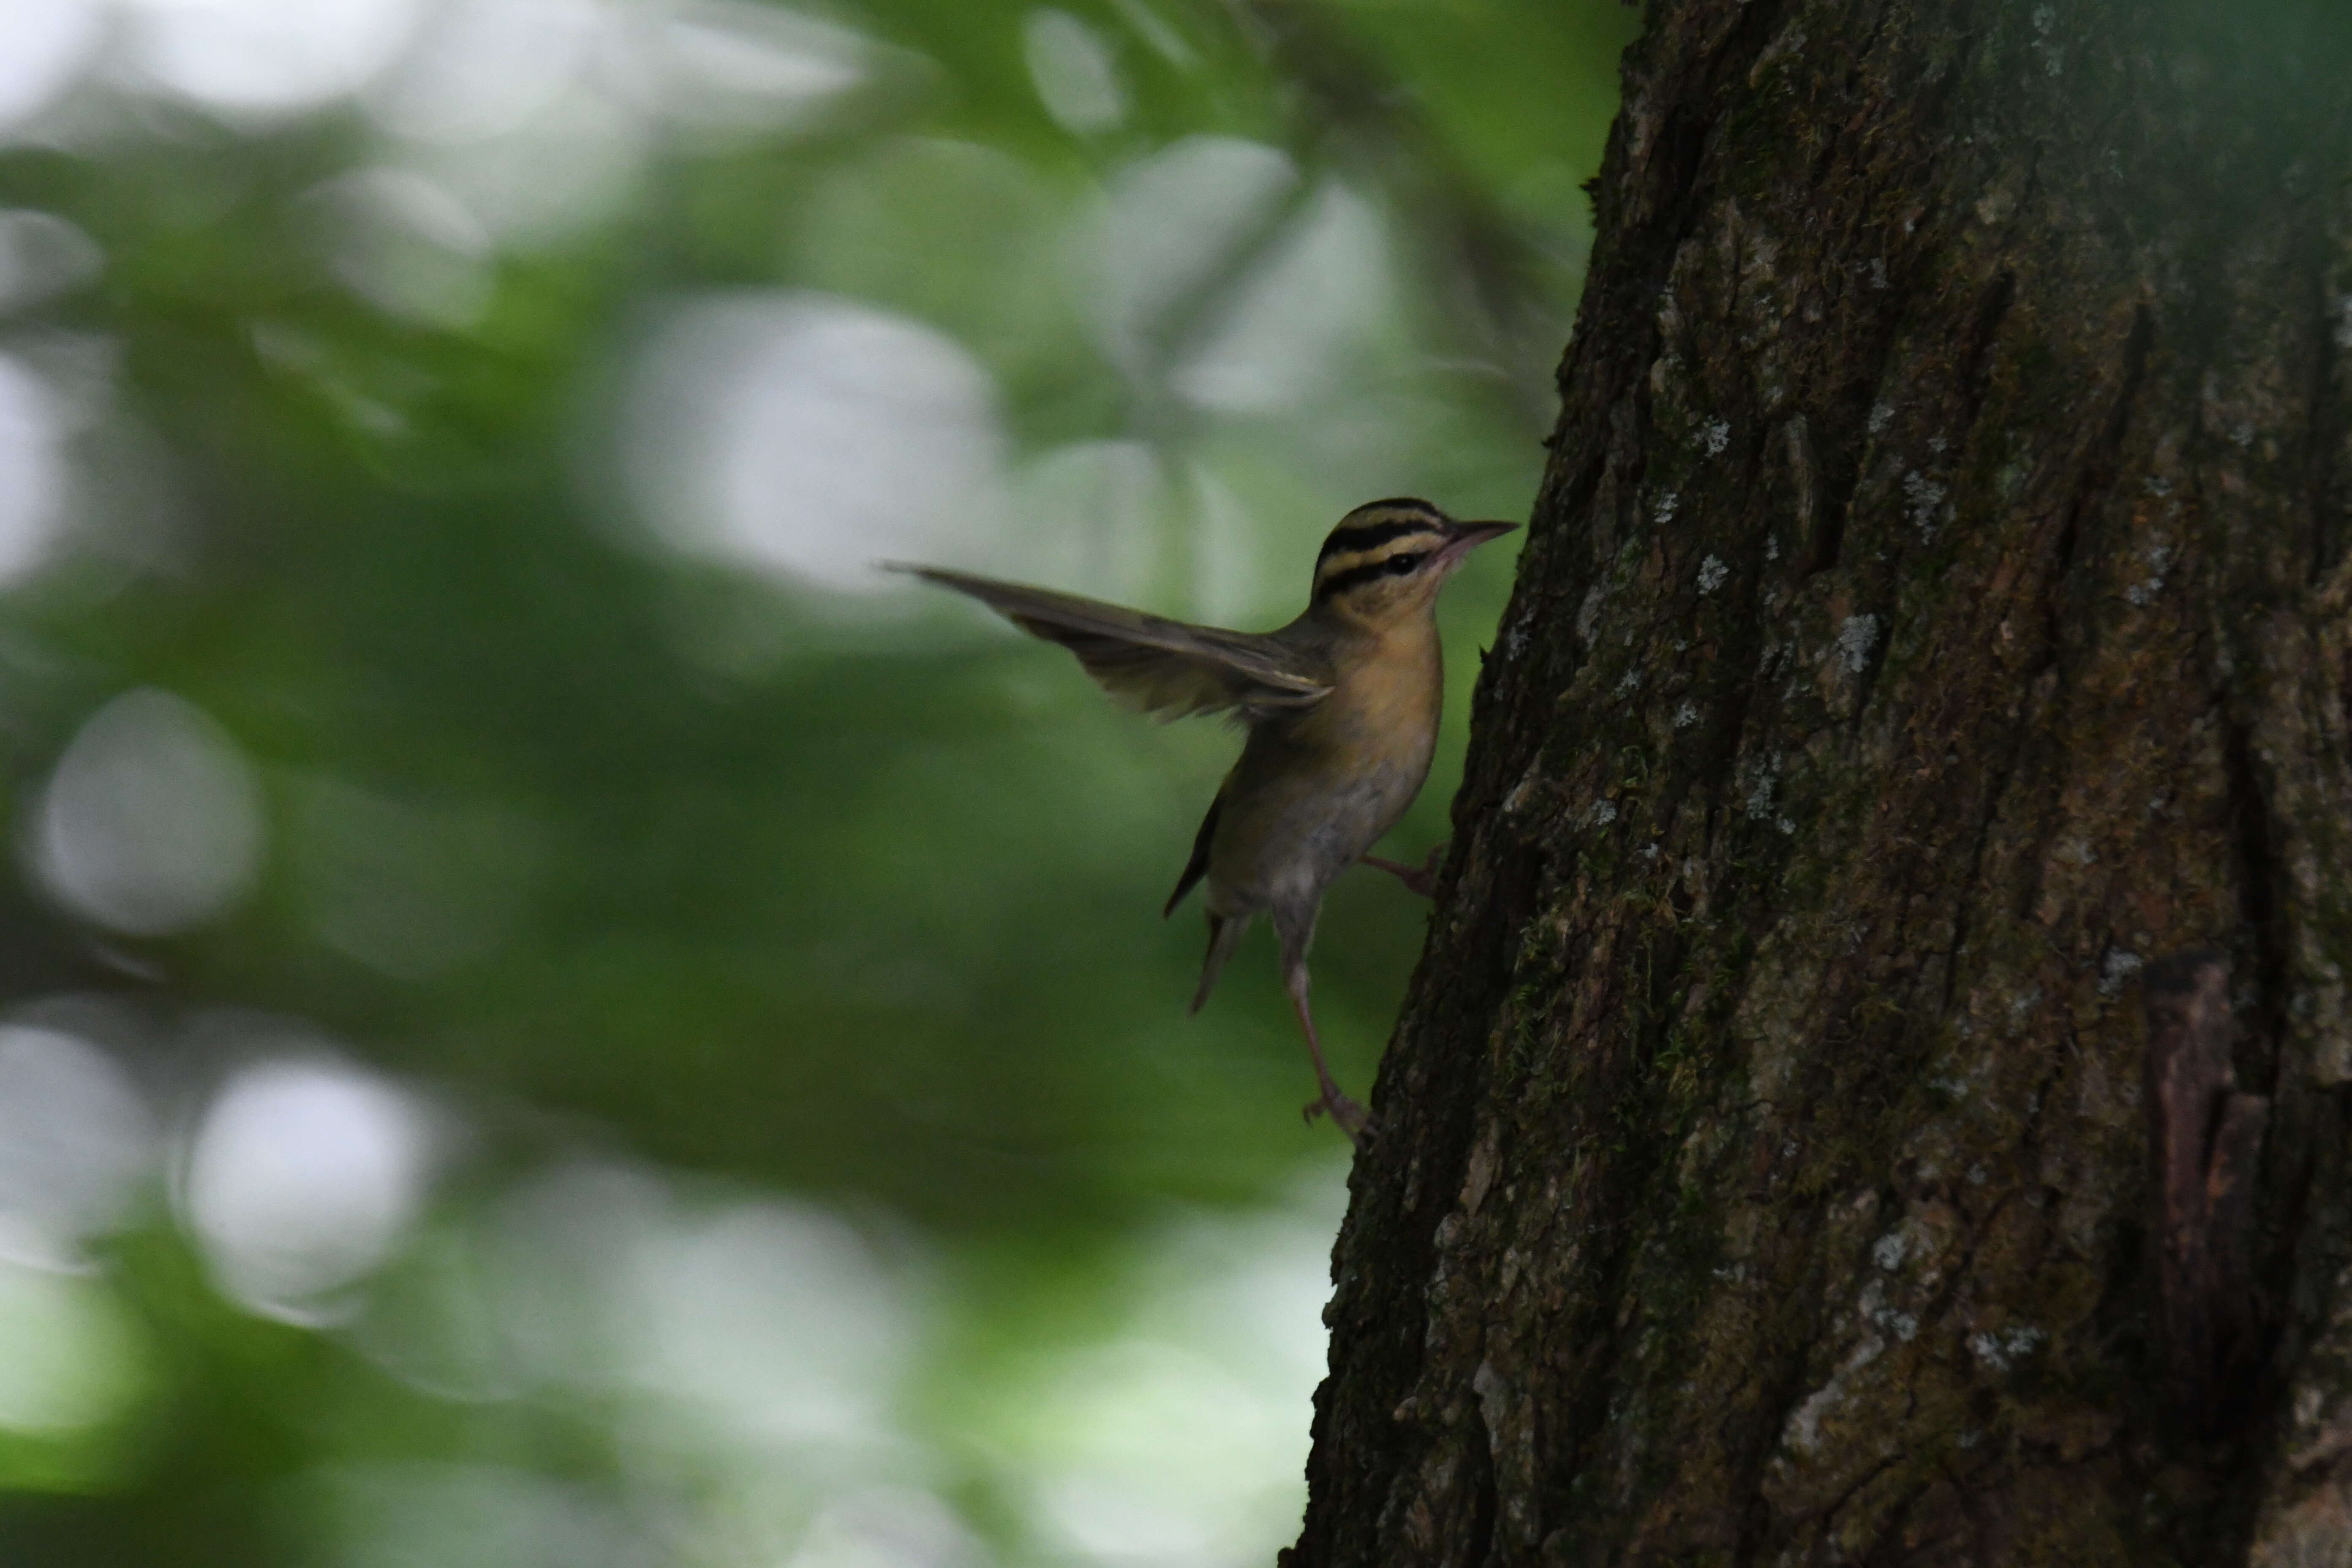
[(1382, 711), (1314, 791)]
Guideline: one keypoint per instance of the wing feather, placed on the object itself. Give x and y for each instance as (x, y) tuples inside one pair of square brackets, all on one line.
[(1150, 663)]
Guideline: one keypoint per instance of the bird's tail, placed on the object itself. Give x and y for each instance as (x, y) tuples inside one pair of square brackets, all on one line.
[(1224, 935)]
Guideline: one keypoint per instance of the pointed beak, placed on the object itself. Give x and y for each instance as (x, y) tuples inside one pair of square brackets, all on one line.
[(1468, 536)]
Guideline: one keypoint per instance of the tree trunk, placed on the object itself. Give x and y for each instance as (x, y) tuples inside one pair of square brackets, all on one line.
[(1933, 616)]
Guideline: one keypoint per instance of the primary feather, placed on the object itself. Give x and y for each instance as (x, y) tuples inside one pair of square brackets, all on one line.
[(1149, 662)]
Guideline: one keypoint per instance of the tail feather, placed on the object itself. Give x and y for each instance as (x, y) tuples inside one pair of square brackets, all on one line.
[(1197, 866), (1224, 935)]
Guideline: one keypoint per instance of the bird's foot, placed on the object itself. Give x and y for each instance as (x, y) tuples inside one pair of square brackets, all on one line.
[(1421, 878), (1351, 1118)]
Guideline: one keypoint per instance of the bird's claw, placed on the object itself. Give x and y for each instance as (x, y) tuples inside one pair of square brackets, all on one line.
[(1421, 878), (1351, 1118)]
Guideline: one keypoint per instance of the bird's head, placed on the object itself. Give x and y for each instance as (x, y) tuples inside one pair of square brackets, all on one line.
[(1385, 560)]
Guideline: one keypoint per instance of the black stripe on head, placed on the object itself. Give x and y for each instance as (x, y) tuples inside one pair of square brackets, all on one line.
[(1385, 520), (1405, 563)]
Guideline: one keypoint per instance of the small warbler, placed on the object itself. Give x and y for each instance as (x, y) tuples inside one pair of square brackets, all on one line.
[(1341, 706)]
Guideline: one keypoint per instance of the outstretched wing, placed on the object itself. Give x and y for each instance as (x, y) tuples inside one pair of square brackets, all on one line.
[(1152, 664)]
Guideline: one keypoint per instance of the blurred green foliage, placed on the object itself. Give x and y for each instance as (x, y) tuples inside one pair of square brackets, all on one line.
[(768, 885)]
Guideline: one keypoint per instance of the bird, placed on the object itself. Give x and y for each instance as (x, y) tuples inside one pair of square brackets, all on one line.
[(1341, 708)]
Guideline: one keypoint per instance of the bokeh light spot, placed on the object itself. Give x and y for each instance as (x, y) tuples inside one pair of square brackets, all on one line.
[(1323, 288), (303, 1177), (69, 1356), (32, 470), (48, 43), (720, 66), (1173, 220), (1072, 69), (812, 436), (1091, 516), (264, 57), (75, 1135), (479, 69), (1177, 1441), (573, 163), (43, 255), (152, 820), (776, 1316)]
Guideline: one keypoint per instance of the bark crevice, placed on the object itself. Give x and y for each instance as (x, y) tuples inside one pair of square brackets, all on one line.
[(2260, 910)]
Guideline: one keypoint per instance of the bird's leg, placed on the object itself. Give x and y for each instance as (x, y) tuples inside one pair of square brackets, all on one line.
[(1343, 1110), (1421, 878)]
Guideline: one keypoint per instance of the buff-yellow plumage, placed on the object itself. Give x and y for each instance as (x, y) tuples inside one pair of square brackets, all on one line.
[(1342, 706)]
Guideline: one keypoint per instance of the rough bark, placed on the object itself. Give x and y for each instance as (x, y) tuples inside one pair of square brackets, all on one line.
[(1935, 611)]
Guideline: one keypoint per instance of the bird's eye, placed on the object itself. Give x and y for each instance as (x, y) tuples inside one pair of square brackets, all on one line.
[(1403, 565)]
